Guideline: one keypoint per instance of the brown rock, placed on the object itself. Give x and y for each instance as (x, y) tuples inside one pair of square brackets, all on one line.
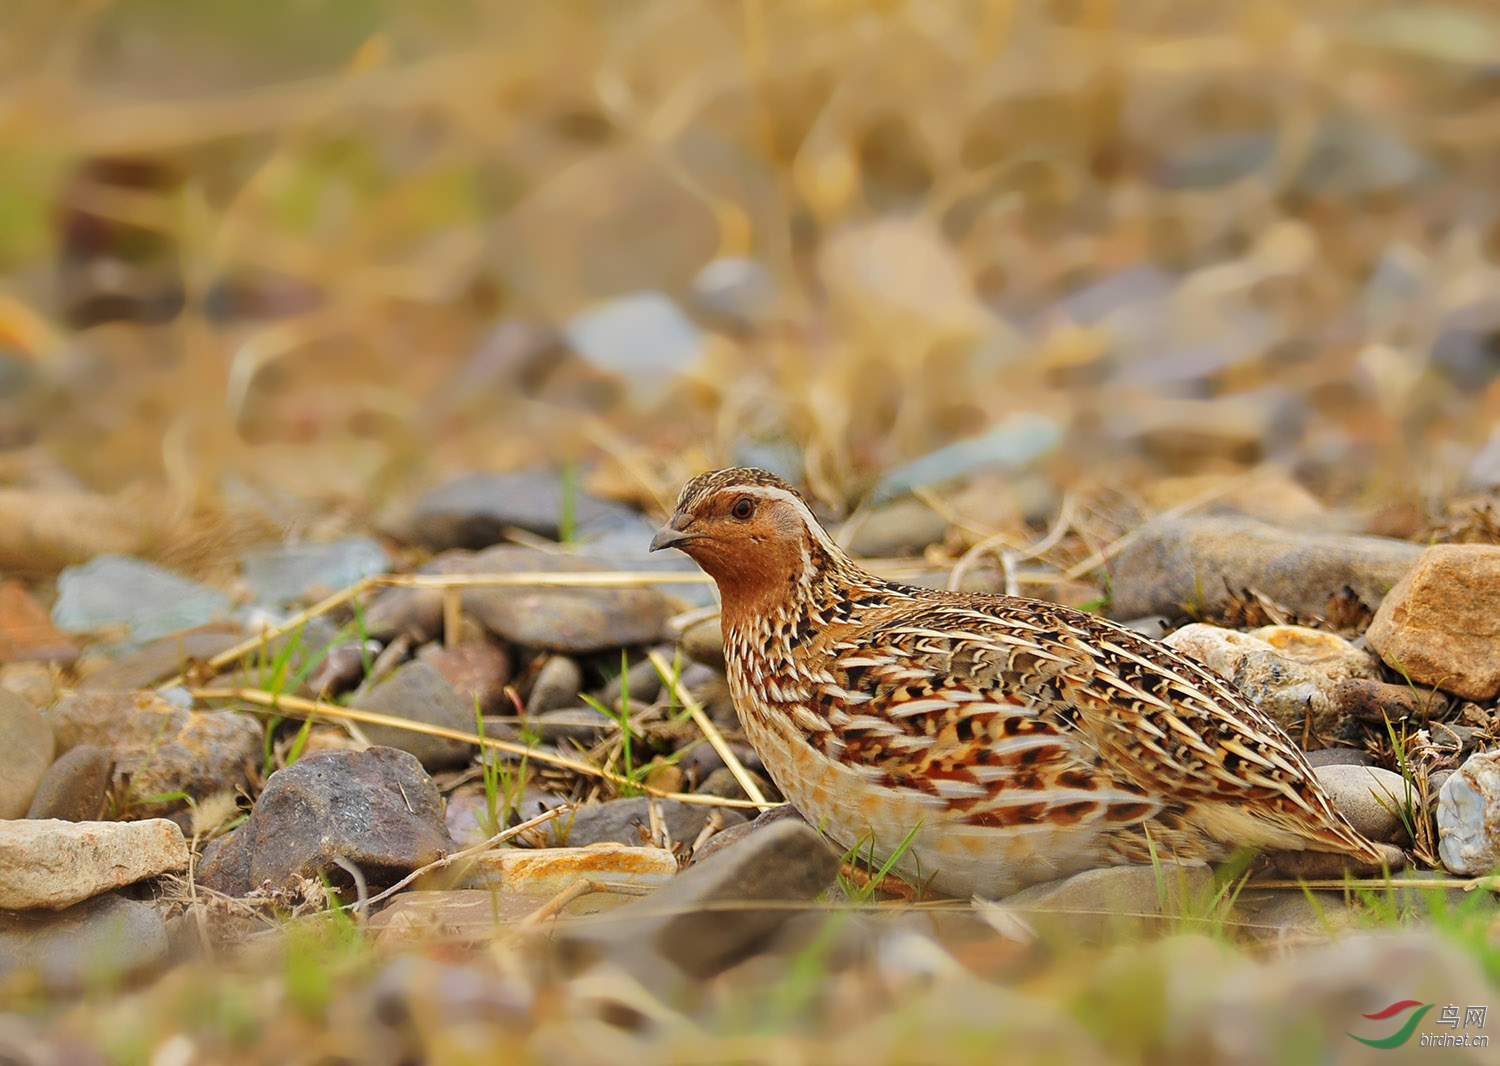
[(376, 809), (1440, 624), (26, 632), (477, 672), (419, 693), (75, 787), (160, 658), (160, 749), (1379, 701)]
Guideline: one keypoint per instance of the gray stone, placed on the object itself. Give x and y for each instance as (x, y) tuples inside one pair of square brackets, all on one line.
[(1440, 624), (144, 666), (54, 864), (376, 809), (1335, 756), (143, 598), (1371, 798), (161, 750), (902, 527), (478, 510), (75, 786), (26, 740), (1194, 562), (297, 573), (1015, 443), (1096, 903), (557, 685), (582, 724), (706, 918), (1468, 817), (98, 942), (642, 338), (737, 290), (703, 642), (628, 821), (418, 693), (574, 620)]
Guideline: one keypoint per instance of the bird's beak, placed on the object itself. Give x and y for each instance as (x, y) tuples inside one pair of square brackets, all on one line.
[(673, 534)]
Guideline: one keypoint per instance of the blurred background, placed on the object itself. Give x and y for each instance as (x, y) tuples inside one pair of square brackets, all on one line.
[(301, 259)]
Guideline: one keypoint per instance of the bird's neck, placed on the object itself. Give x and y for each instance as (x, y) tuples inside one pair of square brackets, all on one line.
[(787, 591)]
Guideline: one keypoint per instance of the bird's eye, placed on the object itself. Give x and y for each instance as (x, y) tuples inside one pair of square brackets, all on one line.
[(743, 508)]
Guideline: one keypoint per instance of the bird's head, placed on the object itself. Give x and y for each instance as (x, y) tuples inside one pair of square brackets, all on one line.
[(750, 531)]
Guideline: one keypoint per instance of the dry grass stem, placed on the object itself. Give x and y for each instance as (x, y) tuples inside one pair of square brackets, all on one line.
[(710, 731)]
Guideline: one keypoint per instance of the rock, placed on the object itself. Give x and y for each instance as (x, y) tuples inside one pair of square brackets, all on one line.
[(39, 684), (1280, 914), (703, 642), (1092, 904), (477, 672), (1371, 798), (902, 527), (722, 782), (705, 919), (299, 573), (1378, 701), (1019, 440), (1176, 563), (573, 620), (96, 943), (737, 291), (26, 633), (376, 809), (642, 338), (144, 599), (737, 831), (474, 915), (54, 864), (342, 668), (1296, 696), (418, 693), (1440, 624), (1483, 471), (26, 740), (644, 683), (161, 750), (143, 667), (1468, 817), (75, 787), (557, 685), (543, 873), (1339, 757), (478, 510), (628, 821), (1327, 653)]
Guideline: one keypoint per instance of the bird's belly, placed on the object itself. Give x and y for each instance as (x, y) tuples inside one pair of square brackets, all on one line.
[(853, 807)]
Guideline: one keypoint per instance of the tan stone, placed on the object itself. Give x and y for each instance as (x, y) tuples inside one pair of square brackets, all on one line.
[(1440, 624), (46, 863)]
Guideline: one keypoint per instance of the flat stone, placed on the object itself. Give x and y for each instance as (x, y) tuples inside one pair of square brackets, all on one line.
[(1293, 693), (1371, 798), (26, 633), (144, 599), (902, 527), (54, 864), (642, 338), (419, 693), (1177, 563), (1440, 624), (478, 510), (541, 874), (100, 941), (705, 919), (583, 724), (572, 620), (628, 821), (376, 809), (75, 787), (1268, 914), (159, 748), (1468, 817), (703, 643), (299, 573), (1093, 904), (144, 666), (26, 739)]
